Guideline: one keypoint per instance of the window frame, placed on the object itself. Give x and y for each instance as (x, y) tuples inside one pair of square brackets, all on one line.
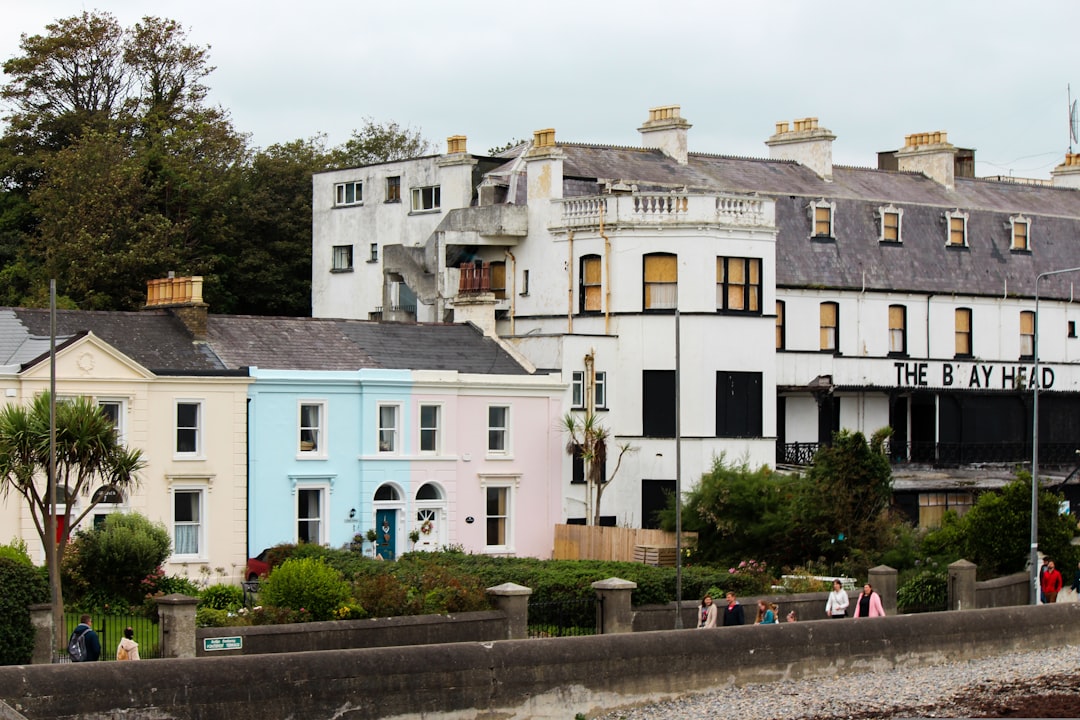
[(590, 294), (323, 496), (373, 255), (422, 195), (1020, 242), (429, 430), (341, 193), (751, 290), (339, 264), (740, 399), (319, 450), (196, 430), (968, 333), (1027, 339), (781, 327), (495, 431), (498, 278), (898, 330), (200, 491), (393, 189), (835, 327), (394, 431), (822, 215), (508, 485), (952, 217), (884, 226), (660, 305), (120, 420), (577, 390)]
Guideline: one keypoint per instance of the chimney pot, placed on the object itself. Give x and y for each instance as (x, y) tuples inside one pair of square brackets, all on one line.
[(544, 138), (455, 144)]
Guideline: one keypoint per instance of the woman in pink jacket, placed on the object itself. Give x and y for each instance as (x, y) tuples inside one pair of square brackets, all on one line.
[(869, 603)]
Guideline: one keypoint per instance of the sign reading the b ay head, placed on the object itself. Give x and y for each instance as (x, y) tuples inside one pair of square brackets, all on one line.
[(223, 643)]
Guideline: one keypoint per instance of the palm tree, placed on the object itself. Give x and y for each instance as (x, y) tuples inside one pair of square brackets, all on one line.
[(588, 440), (89, 457)]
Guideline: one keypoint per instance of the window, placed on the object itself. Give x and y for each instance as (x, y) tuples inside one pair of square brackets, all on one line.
[(349, 193), (897, 330), (661, 282), (963, 332), (188, 429), (388, 428), (114, 410), (821, 214), (342, 258), (780, 335), (957, 222), (188, 522), (1021, 232), (498, 279), (312, 436), (738, 404), (393, 189), (310, 511), (1027, 334), (374, 257), (497, 510), (738, 284), (590, 295), (429, 428), (830, 326), (425, 198), (658, 403), (1072, 328), (498, 430), (524, 282), (890, 218), (599, 391)]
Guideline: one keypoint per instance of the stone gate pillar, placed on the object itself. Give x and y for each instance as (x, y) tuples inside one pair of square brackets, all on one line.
[(961, 593), (177, 626), (513, 600), (883, 579), (616, 613), (44, 641)]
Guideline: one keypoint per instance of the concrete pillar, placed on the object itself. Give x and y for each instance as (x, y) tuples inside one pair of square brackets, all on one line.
[(513, 600), (177, 626), (883, 579), (615, 614), (961, 586), (42, 620)]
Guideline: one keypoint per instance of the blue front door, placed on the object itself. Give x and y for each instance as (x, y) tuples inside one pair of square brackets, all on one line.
[(385, 522)]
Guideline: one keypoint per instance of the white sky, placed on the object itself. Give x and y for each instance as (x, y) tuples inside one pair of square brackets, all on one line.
[(993, 74)]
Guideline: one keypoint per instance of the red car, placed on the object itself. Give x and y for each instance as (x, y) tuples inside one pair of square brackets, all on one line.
[(258, 567)]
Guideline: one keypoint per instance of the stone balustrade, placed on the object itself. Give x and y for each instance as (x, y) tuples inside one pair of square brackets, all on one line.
[(665, 209)]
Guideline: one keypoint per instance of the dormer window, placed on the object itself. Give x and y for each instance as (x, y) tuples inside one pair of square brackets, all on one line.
[(889, 219), (821, 215), (957, 225), (1021, 233)]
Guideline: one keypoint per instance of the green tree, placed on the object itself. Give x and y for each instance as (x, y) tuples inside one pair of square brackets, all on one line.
[(109, 562), (381, 142), (89, 457), (23, 586)]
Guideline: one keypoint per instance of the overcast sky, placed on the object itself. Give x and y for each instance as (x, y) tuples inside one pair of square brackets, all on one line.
[(993, 74)]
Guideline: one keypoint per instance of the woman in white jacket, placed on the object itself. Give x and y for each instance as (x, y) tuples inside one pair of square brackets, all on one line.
[(128, 649), (837, 604)]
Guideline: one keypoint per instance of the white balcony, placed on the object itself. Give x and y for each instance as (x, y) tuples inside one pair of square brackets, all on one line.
[(651, 209)]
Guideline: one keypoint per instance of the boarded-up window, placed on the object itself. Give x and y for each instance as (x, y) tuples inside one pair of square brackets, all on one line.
[(830, 313), (591, 298), (957, 230), (498, 280), (1020, 234), (658, 403), (897, 329), (1027, 334), (738, 284), (738, 404), (890, 226), (661, 282), (822, 221), (780, 324), (963, 331)]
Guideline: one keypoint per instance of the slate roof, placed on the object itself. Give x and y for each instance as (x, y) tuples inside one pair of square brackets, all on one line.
[(855, 259), (159, 341)]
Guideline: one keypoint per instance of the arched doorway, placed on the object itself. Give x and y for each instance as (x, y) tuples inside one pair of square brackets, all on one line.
[(430, 517), (388, 508)]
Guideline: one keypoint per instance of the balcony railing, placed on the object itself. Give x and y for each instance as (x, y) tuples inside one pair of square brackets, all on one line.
[(666, 208), (947, 454)]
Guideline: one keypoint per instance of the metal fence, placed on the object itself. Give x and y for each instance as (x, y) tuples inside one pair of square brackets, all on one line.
[(941, 454), (564, 618), (110, 628)]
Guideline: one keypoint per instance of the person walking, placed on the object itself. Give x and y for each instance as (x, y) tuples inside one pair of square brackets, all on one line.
[(837, 604), (128, 649), (1042, 572), (706, 613), (869, 603), (90, 639), (733, 611), (1051, 583), (766, 613)]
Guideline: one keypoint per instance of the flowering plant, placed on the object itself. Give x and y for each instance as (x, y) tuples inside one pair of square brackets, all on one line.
[(427, 527)]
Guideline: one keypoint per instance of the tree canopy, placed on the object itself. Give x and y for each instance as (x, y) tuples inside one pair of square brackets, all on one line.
[(114, 170)]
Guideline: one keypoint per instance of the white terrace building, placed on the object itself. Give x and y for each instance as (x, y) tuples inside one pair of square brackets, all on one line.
[(810, 297)]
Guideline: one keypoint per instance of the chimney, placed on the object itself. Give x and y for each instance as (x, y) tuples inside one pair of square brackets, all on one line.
[(931, 154), (805, 143), (455, 144), (182, 297), (1067, 174), (665, 130), (544, 166)]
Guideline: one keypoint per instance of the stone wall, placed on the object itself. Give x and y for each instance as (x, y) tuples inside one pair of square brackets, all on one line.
[(553, 677)]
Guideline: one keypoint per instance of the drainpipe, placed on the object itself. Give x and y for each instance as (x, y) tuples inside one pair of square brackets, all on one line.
[(570, 282), (513, 292), (607, 273)]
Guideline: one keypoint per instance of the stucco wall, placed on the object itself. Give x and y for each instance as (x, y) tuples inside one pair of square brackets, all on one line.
[(554, 677)]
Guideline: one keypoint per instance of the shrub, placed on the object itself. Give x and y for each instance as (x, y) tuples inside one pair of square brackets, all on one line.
[(305, 585), (22, 586), (927, 591), (107, 564), (221, 597), (16, 550), (214, 617)]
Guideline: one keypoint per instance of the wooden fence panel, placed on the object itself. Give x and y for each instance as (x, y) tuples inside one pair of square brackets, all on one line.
[(594, 542)]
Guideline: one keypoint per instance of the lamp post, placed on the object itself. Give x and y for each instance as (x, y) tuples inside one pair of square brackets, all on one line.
[(1035, 380)]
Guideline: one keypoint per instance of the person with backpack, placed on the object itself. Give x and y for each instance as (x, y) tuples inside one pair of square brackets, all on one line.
[(84, 644), (128, 649)]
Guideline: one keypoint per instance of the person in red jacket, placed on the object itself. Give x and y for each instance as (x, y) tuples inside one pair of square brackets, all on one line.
[(1051, 582)]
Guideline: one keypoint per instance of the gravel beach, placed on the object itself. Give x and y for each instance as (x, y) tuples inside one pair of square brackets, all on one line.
[(988, 687)]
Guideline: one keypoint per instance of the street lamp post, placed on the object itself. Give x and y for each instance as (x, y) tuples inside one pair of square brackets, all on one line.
[(1036, 381)]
